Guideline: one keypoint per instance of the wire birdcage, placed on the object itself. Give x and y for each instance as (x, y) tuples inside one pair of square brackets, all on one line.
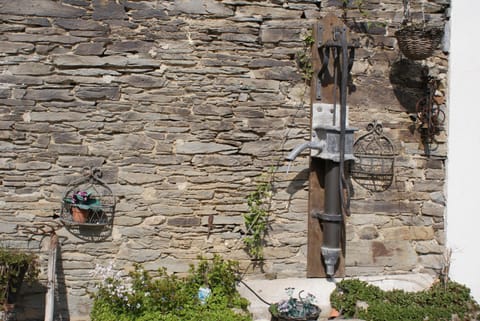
[(88, 201), (375, 159)]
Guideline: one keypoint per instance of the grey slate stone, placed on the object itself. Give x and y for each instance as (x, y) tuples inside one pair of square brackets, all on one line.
[(41, 22), (106, 10), (184, 221), (65, 149), (133, 142), (16, 47), (99, 92), (191, 6), (143, 81), (433, 209), (217, 9), (80, 24), (8, 228), (83, 3), (34, 165), (143, 62), (90, 49), (131, 46), (279, 34), (222, 160), (368, 233), (49, 94), (258, 148), (42, 8), (89, 61), (139, 178), (267, 13), (61, 39), (280, 73), (20, 80), (4, 93), (80, 161), (31, 68), (170, 210), (202, 148), (149, 14)]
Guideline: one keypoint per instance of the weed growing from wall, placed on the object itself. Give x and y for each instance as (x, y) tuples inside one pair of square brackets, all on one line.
[(256, 219), (304, 57)]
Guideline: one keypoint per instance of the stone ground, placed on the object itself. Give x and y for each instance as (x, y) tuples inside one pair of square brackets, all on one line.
[(274, 290)]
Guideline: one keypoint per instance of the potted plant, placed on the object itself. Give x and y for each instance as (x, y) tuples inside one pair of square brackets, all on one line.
[(293, 309), (81, 203), (417, 41), (16, 266)]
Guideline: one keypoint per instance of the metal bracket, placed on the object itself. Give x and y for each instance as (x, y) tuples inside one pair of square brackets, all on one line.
[(319, 36), (328, 217)]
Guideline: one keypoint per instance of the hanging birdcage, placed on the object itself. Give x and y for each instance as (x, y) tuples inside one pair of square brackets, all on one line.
[(375, 158), (88, 201)]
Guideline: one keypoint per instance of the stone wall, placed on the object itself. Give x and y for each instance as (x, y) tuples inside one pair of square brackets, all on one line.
[(184, 105)]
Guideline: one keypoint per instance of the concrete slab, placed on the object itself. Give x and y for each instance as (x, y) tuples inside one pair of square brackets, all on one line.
[(273, 291)]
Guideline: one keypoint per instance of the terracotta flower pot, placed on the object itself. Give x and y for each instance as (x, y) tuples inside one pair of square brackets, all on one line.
[(79, 215)]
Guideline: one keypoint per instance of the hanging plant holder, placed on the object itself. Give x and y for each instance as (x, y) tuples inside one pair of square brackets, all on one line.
[(418, 42), (375, 159), (88, 203)]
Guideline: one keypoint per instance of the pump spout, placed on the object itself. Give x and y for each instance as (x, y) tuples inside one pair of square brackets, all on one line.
[(300, 148)]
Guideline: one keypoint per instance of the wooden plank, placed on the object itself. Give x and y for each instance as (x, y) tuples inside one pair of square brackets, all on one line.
[(316, 202)]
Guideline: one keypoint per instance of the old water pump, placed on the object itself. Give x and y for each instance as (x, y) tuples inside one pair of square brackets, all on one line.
[(330, 146)]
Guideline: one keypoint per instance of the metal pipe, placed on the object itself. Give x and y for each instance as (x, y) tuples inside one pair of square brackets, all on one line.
[(300, 148), (332, 219), (297, 150)]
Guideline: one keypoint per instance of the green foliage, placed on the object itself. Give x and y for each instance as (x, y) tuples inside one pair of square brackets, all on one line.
[(141, 297), (304, 57), (353, 4), (83, 200), (256, 219), (16, 266), (438, 303)]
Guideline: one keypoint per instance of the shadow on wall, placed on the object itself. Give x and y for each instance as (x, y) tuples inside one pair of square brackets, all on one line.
[(298, 182), (61, 299), (409, 82), (31, 302)]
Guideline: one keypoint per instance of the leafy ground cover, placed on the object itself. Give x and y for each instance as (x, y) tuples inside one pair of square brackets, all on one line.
[(207, 293), (441, 302)]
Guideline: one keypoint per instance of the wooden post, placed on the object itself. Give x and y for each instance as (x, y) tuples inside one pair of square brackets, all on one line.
[(52, 263)]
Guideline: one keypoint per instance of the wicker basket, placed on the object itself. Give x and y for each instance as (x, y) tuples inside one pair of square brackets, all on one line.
[(417, 42)]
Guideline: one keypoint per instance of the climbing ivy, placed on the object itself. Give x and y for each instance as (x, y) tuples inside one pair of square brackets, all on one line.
[(304, 57), (256, 219), (346, 4)]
